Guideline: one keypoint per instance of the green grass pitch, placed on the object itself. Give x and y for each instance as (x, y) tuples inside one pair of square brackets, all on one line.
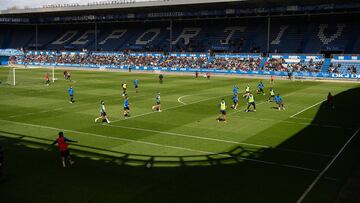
[(263, 156)]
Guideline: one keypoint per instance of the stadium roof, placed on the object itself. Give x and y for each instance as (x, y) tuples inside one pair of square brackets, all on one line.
[(112, 5), (158, 5)]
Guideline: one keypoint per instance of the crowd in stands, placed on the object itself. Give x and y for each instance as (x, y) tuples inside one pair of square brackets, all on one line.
[(338, 68), (170, 61), (123, 59), (245, 64), (279, 64)]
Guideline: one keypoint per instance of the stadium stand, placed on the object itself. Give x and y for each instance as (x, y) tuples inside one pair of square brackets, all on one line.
[(198, 36), (310, 36), (345, 64)]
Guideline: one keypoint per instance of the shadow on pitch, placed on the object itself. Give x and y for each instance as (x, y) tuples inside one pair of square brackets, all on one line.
[(307, 142), (240, 173), (235, 155)]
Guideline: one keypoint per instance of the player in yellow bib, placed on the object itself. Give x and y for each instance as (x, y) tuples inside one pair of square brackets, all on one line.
[(251, 102), (247, 89), (124, 87), (272, 94), (222, 116)]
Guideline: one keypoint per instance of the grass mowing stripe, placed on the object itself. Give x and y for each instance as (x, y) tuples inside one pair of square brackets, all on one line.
[(174, 107), (217, 140), (73, 106), (108, 137), (307, 108), (311, 186), (161, 145), (188, 136), (293, 122)]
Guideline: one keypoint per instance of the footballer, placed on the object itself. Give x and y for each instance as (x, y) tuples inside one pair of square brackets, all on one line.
[(157, 106)]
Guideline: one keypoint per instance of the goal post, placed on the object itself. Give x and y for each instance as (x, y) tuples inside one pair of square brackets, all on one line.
[(14, 76), (53, 74), (29, 76), (10, 78)]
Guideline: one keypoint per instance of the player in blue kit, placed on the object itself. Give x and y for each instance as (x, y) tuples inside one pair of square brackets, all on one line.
[(235, 90), (235, 99), (71, 94), (261, 88), (136, 85), (278, 100), (126, 107)]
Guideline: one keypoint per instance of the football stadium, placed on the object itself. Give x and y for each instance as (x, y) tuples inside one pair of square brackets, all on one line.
[(180, 101)]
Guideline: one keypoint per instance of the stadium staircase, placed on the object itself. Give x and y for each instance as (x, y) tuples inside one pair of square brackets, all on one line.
[(326, 65), (263, 61)]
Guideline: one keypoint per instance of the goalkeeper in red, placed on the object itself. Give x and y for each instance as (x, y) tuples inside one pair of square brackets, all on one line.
[(47, 79), (63, 145)]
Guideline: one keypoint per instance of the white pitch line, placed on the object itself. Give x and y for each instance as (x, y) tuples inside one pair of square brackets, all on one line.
[(182, 97), (217, 140), (179, 99), (188, 136), (312, 185), (278, 164), (307, 108), (292, 122), (301, 118), (161, 145)]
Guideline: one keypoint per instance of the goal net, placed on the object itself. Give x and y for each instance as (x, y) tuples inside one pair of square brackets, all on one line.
[(27, 76)]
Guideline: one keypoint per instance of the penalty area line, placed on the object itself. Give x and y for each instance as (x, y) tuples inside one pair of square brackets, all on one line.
[(321, 174), (307, 108)]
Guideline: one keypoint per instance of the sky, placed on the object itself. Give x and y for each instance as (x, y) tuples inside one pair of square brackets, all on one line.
[(4, 4)]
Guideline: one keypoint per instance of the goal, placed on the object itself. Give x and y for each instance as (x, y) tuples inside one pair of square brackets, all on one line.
[(29, 76)]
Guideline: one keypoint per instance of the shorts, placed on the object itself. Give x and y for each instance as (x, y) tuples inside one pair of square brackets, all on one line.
[(126, 108), (136, 86), (103, 114), (223, 112), (124, 89), (157, 103), (65, 153)]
